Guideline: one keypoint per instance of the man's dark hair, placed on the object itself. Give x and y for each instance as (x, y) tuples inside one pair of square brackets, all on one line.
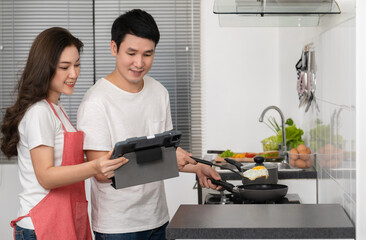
[(135, 22)]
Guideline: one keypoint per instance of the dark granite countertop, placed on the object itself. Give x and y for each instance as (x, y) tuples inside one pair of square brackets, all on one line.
[(261, 221)]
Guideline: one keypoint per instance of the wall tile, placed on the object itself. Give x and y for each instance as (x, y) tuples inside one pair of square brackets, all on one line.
[(332, 130)]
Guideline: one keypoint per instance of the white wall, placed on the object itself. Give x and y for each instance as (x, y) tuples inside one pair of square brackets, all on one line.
[(275, 82), (360, 118), (9, 202), (335, 53), (240, 77), (336, 50)]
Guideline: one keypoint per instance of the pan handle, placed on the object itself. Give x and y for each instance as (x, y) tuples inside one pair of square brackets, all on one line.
[(216, 165), (227, 186), (235, 163), (202, 161)]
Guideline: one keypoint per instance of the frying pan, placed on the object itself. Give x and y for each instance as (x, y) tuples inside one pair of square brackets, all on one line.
[(255, 192)]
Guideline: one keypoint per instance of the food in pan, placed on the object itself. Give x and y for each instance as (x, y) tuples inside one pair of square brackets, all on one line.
[(256, 172)]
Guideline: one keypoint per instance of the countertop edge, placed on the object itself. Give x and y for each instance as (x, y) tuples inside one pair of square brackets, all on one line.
[(284, 233), (207, 222)]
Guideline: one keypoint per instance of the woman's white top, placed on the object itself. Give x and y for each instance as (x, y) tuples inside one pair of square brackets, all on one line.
[(39, 126)]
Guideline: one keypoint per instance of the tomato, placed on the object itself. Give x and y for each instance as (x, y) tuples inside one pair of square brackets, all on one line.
[(250, 155)]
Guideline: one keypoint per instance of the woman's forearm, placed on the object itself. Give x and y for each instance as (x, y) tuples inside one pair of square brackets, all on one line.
[(54, 177), (50, 176)]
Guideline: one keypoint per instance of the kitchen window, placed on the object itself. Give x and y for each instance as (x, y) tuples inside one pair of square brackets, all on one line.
[(176, 65)]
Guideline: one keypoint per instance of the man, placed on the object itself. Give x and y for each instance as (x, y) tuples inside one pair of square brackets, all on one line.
[(128, 103)]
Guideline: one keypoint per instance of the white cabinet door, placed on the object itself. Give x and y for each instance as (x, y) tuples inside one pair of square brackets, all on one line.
[(305, 188), (180, 190)]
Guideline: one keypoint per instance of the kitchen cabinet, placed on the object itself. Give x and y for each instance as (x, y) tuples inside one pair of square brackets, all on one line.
[(278, 13), (180, 190)]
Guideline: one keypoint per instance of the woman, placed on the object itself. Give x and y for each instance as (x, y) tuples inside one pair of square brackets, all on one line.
[(49, 149)]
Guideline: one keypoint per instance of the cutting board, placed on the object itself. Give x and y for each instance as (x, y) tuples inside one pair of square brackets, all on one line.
[(219, 159)]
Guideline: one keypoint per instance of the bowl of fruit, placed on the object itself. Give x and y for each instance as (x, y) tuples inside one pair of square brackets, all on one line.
[(301, 157)]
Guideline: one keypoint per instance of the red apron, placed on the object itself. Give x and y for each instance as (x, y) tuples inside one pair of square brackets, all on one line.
[(63, 212)]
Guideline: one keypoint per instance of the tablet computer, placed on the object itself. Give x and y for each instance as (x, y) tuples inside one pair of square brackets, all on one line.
[(151, 158)]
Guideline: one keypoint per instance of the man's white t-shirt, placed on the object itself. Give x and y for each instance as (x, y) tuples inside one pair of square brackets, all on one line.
[(39, 126), (108, 115)]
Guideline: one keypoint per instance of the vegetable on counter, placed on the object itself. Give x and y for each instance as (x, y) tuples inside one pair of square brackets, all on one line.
[(227, 153), (270, 154), (250, 155), (322, 135), (293, 135), (240, 157), (301, 157)]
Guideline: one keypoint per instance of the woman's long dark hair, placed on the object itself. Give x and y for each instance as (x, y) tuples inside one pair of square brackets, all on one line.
[(35, 81)]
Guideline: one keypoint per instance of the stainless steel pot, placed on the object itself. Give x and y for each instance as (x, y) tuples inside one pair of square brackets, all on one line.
[(259, 161), (272, 170)]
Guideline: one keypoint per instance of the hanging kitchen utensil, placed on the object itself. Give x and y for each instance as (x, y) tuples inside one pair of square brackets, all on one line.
[(309, 102), (312, 79), (302, 90), (306, 82), (301, 69), (255, 192), (298, 67), (301, 84)]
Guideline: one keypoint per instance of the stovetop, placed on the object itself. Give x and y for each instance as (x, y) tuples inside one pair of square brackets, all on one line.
[(224, 198)]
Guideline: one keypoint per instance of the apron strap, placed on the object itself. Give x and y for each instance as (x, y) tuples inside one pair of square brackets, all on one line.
[(14, 222), (49, 102), (67, 117)]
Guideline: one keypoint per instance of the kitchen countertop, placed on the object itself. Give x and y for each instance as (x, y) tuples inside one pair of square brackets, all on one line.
[(261, 221)]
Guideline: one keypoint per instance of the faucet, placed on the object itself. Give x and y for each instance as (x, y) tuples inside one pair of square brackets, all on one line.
[(283, 148)]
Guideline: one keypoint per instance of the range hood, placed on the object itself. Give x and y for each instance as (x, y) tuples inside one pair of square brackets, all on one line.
[(274, 12)]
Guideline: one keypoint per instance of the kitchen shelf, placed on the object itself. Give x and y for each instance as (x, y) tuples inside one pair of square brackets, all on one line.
[(264, 7), (273, 13)]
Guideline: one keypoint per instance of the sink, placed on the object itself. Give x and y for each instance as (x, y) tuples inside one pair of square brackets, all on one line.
[(286, 167)]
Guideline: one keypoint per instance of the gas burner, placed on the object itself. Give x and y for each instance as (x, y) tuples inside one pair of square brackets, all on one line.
[(219, 198), (222, 198)]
